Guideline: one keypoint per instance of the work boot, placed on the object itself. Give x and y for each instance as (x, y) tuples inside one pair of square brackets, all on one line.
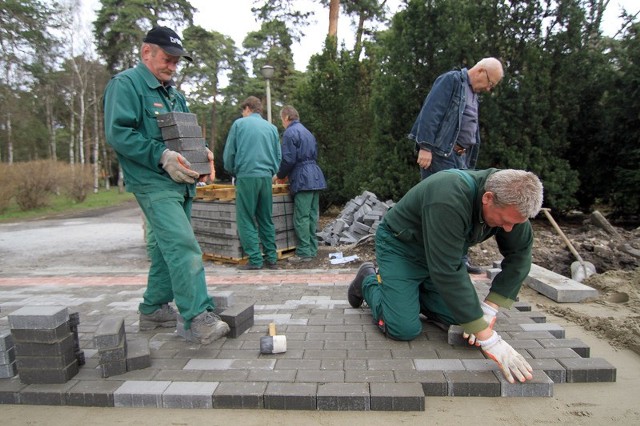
[(249, 267), (354, 293), (271, 266), (205, 328), (300, 259), (163, 317)]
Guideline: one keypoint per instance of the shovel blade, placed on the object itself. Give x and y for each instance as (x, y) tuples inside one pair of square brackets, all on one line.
[(582, 271)]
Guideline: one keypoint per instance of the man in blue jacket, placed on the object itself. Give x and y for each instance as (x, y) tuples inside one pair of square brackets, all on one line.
[(252, 155), (299, 163), (447, 131)]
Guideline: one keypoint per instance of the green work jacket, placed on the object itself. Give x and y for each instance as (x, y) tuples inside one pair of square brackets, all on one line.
[(132, 101), (442, 215)]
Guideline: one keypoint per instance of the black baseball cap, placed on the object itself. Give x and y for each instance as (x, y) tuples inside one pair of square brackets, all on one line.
[(168, 41)]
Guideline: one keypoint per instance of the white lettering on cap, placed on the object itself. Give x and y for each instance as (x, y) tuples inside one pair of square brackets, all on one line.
[(174, 40)]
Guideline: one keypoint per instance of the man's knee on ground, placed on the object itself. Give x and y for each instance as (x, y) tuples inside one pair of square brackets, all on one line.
[(404, 331)]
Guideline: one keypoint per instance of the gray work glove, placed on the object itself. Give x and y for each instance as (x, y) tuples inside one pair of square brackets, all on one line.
[(178, 167)]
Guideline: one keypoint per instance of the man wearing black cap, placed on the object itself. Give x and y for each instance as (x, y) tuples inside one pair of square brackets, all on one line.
[(164, 187)]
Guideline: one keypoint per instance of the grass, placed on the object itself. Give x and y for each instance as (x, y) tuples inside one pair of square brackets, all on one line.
[(62, 204)]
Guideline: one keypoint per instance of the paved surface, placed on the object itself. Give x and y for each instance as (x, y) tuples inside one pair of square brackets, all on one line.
[(336, 359)]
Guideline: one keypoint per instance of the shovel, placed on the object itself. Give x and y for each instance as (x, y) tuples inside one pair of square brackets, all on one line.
[(580, 270)]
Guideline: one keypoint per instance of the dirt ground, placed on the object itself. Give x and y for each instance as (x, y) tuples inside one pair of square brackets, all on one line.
[(617, 275)]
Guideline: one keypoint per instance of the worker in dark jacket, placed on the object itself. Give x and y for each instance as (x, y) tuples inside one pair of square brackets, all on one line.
[(299, 163), (419, 247)]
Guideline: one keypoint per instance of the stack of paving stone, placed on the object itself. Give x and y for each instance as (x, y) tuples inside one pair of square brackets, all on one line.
[(8, 366), (44, 343), (215, 227), (116, 356), (182, 134), (359, 219)]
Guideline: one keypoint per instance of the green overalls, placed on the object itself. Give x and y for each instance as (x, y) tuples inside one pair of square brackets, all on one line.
[(133, 99), (419, 246)]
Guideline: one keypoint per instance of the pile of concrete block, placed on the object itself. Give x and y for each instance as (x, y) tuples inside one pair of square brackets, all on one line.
[(182, 134), (45, 345), (116, 356), (215, 227), (359, 219), (8, 366)]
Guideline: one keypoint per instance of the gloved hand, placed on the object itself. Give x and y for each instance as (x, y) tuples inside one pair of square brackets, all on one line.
[(489, 315), (211, 176), (178, 167), (507, 358)]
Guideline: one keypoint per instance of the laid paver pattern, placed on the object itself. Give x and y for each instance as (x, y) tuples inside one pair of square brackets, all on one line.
[(336, 358)]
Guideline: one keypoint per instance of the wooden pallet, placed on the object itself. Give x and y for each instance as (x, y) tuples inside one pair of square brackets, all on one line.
[(219, 192), (282, 254)]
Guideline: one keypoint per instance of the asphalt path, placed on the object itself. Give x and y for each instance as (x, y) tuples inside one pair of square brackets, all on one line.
[(100, 241)]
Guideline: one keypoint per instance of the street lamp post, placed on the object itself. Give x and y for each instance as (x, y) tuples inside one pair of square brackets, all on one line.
[(267, 72)]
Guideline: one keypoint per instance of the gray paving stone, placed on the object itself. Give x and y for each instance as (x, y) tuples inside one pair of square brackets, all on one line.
[(344, 397), (369, 376), (556, 330), (7, 356), (553, 353), (38, 317), (272, 375), (541, 386), (239, 395), (291, 396), (92, 393), (438, 364), (189, 395), (6, 340), (577, 345), (556, 287), (43, 335), (138, 355), (551, 367), (49, 375), (59, 348), (8, 370), (110, 333), (472, 383), (588, 370), (397, 397), (10, 389), (46, 394), (140, 394)]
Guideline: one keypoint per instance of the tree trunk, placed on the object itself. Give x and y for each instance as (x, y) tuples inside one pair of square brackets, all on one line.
[(334, 13), (96, 140)]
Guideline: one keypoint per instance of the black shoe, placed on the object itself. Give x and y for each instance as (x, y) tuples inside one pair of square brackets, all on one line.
[(273, 265), (473, 269), (248, 267), (354, 293)]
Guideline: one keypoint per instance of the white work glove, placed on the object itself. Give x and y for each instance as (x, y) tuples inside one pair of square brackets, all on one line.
[(178, 167), (489, 315), (507, 358)]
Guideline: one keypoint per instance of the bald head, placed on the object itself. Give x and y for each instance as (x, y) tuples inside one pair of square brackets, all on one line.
[(486, 75)]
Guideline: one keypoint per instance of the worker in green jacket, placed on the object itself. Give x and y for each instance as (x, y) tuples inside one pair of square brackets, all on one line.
[(164, 187), (252, 155), (419, 247)]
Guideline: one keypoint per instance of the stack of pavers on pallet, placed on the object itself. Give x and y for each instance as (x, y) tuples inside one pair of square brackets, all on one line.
[(182, 134), (215, 227), (359, 219), (8, 366), (47, 350), (116, 356)]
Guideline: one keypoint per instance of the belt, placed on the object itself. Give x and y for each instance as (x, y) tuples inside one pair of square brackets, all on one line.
[(459, 150)]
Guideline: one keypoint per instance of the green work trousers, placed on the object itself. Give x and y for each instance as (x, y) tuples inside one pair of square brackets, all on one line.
[(305, 222), (405, 288), (176, 271), (254, 205)]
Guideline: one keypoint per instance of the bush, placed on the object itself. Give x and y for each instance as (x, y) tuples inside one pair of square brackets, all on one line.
[(6, 189), (77, 182), (33, 182)]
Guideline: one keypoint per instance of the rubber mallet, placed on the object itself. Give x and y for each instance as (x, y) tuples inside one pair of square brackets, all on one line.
[(273, 344)]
